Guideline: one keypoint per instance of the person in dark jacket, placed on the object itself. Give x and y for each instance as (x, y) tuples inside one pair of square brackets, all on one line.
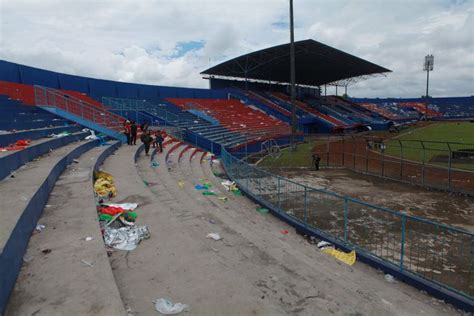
[(147, 140), (159, 140), (133, 133), (144, 127), (316, 161)]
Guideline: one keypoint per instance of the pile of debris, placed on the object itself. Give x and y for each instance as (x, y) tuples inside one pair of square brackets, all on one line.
[(117, 220)]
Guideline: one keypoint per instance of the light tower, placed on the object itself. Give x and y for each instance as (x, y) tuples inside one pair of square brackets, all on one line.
[(428, 66), (292, 78)]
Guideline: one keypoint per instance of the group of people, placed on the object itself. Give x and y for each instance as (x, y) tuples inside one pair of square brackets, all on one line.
[(148, 137)]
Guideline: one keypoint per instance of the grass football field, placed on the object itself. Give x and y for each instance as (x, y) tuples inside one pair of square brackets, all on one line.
[(435, 137)]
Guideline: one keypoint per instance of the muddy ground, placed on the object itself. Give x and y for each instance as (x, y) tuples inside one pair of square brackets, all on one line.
[(448, 208)]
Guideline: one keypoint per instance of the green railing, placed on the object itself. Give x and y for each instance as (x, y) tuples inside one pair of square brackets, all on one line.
[(143, 106), (433, 251)]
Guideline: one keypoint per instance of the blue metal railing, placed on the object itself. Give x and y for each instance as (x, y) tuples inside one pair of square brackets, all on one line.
[(433, 251)]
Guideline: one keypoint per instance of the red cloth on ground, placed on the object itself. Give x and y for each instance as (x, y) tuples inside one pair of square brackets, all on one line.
[(111, 210), (22, 142)]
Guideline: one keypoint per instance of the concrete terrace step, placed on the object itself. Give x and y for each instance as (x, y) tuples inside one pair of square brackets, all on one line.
[(58, 283), (22, 200), (12, 160), (254, 249), (32, 134)]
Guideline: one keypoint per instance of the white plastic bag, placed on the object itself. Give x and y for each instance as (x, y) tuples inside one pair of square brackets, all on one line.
[(167, 307), (214, 236)]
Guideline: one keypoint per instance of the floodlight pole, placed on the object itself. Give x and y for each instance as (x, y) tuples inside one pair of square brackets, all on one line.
[(292, 73), (428, 66)]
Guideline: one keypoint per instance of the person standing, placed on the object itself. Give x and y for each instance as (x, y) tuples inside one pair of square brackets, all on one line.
[(146, 140), (133, 133), (144, 127), (126, 130), (159, 139), (316, 161)]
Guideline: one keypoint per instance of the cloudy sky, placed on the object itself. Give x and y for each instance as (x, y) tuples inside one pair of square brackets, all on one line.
[(170, 42)]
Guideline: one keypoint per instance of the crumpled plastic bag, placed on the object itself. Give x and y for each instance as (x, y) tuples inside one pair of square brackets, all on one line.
[(229, 185), (125, 238), (168, 308), (214, 236), (92, 136), (62, 134), (201, 187)]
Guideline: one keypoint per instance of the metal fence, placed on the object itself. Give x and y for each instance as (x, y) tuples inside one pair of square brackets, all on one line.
[(55, 98), (141, 110), (441, 165), (433, 251)]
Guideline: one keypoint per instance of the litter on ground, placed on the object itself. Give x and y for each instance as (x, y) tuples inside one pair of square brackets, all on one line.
[(87, 263), (262, 210), (125, 238), (39, 228), (214, 236), (104, 184), (201, 187), (166, 307), (223, 198), (347, 258), (125, 206)]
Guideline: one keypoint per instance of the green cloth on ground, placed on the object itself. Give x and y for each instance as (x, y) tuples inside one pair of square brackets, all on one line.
[(105, 217), (208, 193), (262, 210)]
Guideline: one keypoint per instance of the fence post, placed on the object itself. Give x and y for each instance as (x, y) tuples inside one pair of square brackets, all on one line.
[(346, 211), (383, 157), (401, 160), (354, 151), (327, 152), (449, 166), (343, 149), (279, 192), (402, 248), (367, 158), (305, 208), (423, 163)]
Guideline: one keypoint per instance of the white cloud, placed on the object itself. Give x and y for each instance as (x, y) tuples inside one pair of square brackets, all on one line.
[(134, 41)]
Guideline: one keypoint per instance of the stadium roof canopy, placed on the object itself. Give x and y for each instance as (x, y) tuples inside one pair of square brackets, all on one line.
[(316, 64)]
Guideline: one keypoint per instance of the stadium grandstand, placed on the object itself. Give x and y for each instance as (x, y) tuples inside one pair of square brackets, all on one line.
[(57, 131)]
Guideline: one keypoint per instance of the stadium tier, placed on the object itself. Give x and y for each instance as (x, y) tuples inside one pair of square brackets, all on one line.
[(414, 109), (237, 117), (49, 120)]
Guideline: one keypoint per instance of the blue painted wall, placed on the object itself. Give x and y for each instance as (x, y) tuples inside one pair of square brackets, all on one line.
[(98, 88)]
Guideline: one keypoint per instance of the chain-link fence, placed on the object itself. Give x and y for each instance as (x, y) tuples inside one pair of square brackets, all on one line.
[(434, 251)]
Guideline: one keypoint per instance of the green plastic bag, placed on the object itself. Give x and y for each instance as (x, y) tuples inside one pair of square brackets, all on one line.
[(208, 193), (237, 192), (262, 210)]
